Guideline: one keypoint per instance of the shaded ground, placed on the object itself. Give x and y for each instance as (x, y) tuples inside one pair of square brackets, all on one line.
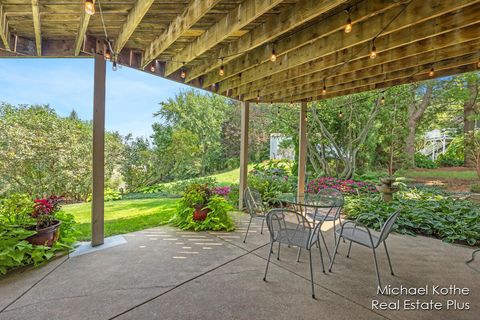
[(164, 273), (457, 179)]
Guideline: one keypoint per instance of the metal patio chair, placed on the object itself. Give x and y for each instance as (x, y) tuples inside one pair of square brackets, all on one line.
[(293, 229), (353, 231), (255, 207)]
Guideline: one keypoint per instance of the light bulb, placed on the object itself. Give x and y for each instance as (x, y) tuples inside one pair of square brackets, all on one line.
[(382, 101), (273, 57), (340, 115), (431, 72), (89, 7), (108, 54), (291, 103), (183, 74), (114, 66), (221, 72), (152, 68), (373, 53), (348, 26), (324, 90)]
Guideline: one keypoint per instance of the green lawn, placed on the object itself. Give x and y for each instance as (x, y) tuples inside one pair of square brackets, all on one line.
[(124, 216), (442, 173)]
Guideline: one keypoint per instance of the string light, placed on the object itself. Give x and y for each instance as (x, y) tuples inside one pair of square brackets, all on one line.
[(324, 90), (89, 7), (273, 56), (221, 71), (114, 66), (291, 103), (152, 68), (348, 26), (258, 97), (431, 72), (382, 101), (108, 54), (340, 115), (373, 52), (183, 74)]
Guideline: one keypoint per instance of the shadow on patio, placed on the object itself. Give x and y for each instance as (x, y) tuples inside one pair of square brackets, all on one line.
[(165, 273)]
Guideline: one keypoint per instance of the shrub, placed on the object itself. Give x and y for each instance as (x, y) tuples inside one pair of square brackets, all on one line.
[(233, 195), (445, 160), (346, 186), (272, 179), (177, 188), (427, 213), (422, 161), (109, 195)]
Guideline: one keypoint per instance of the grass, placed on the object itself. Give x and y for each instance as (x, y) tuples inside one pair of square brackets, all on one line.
[(124, 216), (442, 173)]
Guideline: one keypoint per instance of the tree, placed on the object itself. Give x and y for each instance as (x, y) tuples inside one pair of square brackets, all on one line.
[(139, 167)]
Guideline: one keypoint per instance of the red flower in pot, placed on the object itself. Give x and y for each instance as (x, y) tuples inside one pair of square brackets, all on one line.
[(47, 227), (197, 196)]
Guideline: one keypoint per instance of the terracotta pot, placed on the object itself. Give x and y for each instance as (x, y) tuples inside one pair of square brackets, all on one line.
[(200, 214), (46, 236)]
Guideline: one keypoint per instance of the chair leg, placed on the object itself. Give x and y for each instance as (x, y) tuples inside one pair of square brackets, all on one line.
[(298, 254), (321, 256), (334, 232), (278, 254), (349, 248), (388, 258), (376, 267), (335, 253), (268, 261), (326, 247), (261, 230), (248, 228), (311, 273)]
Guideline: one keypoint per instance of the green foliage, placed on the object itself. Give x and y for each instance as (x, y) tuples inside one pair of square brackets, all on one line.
[(42, 153), (15, 251), (217, 218), (422, 161), (109, 195), (475, 188), (233, 195), (272, 179), (177, 188), (422, 212)]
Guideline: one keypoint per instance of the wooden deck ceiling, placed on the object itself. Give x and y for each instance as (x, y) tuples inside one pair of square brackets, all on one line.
[(315, 57)]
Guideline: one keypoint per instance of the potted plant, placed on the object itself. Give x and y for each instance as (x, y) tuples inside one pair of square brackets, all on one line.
[(197, 196), (47, 227)]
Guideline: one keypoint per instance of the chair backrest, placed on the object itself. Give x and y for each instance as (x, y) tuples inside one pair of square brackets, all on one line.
[(387, 227), (253, 201), (285, 225), (331, 197)]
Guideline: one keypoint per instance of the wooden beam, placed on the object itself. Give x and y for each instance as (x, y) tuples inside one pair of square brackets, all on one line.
[(98, 151), (37, 27), (302, 151), (419, 20), (82, 29), (242, 15), (275, 25), (378, 81), (135, 16), (4, 36), (450, 44), (245, 118), (195, 10), (318, 30)]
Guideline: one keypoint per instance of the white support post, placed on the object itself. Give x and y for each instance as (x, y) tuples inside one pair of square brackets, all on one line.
[(302, 151), (98, 150), (243, 152)]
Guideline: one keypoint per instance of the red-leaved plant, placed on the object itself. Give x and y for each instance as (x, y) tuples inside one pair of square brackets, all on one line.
[(44, 210)]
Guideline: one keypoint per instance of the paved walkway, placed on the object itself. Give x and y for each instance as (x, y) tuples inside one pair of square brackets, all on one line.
[(164, 273)]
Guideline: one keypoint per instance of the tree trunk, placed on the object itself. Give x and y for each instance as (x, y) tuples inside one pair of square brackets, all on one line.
[(469, 122), (415, 114)]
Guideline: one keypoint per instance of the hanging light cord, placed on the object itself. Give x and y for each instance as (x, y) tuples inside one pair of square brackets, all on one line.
[(105, 29)]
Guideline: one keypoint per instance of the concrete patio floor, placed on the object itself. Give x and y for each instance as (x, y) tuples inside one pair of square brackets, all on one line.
[(165, 273)]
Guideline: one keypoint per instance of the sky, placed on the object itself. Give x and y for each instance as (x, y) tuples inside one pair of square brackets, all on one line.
[(65, 84)]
